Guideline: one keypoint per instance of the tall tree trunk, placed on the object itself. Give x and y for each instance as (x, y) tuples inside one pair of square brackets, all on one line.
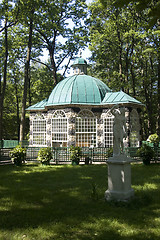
[(120, 64), (29, 92), (17, 107), (54, 70), (152, 120), (51, 48), (120, 53), (3, 87), (127, 67), (132, 67), (26, 81), (148, 97), (145, 128), (133, 80), (158, 130)]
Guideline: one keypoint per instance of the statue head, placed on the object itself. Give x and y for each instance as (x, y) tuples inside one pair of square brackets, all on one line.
[(122, 110)]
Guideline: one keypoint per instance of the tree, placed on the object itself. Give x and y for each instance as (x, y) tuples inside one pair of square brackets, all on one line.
[(125, 54), (27, 8), (153, 9), (41, 82), (61, 30), (31, 27), (26, 78), (141, 5), (49, 27), (11, 120), (9, 18)]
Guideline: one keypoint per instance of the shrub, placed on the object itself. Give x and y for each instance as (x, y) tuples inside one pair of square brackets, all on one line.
[(18, 155), (45, 155), (76, 153), (153, 138), (110, 152), (146, 153)]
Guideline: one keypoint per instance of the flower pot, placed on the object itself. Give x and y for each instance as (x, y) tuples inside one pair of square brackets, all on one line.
[(75, 162), (45, 163), (87, 160)]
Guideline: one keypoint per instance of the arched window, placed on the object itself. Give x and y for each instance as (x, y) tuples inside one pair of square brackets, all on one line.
[(39, 130), (86, 129), (108, 130), (59, 129)]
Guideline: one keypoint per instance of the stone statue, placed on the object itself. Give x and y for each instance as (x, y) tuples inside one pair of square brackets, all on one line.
[(119, 129)]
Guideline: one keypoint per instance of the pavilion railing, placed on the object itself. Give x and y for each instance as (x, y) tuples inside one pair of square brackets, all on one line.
[(62, 154)]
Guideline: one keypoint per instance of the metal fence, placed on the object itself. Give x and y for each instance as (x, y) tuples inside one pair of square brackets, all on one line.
[(62, 154)]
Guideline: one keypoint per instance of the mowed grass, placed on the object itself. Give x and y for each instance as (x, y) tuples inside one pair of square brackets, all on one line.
[(67, 202)]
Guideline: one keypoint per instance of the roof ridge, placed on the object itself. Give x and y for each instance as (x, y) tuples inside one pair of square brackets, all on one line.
[(119, 97), (74, 82)]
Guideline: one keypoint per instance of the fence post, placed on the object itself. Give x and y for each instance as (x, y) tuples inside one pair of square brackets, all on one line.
[(1, 146), (1, 143), (93, 154), (56, 155)]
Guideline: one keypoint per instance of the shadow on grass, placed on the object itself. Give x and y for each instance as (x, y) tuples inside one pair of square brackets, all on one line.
[(58, 202)]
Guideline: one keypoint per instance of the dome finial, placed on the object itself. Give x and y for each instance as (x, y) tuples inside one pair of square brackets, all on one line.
[(80, 54), (80, 65)]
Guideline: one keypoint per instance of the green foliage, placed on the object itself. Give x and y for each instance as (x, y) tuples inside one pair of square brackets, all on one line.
[(146, 153), (61, 33), (41, 83), (110, 152), (141, 6), (45, 155), (58, 28), (18, 155), (76, 153), (94, 192), (125, 54), (154, 138)]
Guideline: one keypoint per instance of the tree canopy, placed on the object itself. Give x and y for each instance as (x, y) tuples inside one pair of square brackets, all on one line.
[(152, 5), (125, 54), (27, 28), (124, 39)]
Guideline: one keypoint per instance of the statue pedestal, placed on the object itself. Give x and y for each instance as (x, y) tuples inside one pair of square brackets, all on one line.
[(119, 178)]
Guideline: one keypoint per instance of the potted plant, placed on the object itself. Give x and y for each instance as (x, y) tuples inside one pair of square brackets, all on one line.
[(87, 160), (75, 155), (146, 153), (18, 155), (45, 155), (154, 138)]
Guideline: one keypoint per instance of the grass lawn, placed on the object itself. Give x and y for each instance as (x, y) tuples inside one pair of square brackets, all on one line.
[(67, 203)]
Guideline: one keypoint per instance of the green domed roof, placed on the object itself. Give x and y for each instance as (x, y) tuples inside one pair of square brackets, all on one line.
[(38, 106), (114, 98), (80, 61), (78, 89)]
